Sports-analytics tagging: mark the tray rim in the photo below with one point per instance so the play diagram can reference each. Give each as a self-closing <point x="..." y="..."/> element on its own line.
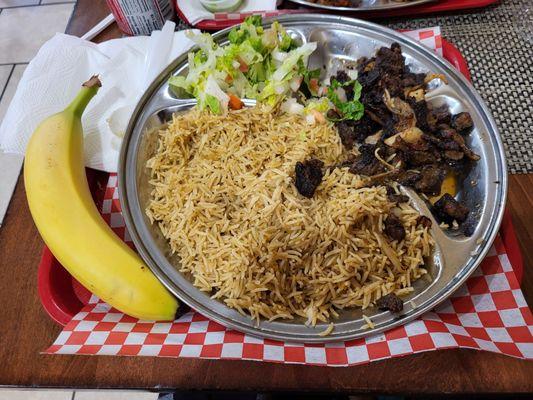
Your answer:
<point x="396" y="6"/>
<point x="443" y="6"/>
<point x="62" y="301"/>
<point x="230" y="318"/>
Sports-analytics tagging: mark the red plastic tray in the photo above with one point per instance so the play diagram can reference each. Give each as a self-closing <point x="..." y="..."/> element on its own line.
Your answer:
<point x="442" y="6"/>
<point x="63" y="297"/>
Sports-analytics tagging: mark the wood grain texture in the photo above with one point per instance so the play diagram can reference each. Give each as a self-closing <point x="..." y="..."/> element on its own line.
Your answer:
<point x="25" y="329"/>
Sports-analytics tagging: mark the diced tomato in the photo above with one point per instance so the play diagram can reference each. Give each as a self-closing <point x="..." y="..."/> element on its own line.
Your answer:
<point x="313" y="85"/>
<point x="234" y="102"/>
<point x="229" y="78"/>
<point x="243" y="67"/>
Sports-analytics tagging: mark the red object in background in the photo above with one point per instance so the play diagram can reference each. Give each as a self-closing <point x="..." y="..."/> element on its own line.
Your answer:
<point x="440" y="6"/>
<point x="141" y="17"/>
<point x="63" y="297"/>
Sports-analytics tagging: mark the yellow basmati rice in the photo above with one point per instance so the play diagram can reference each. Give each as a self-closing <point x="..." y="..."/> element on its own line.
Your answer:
<point x="223" y="195"/>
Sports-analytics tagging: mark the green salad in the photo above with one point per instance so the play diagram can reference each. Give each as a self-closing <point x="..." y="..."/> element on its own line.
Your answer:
<point x="262" y="64"/>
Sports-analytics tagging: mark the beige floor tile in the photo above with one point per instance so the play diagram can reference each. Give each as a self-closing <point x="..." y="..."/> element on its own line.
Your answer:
<point x="16" y="3"/>
<point x="5" y="70"/>
<point x="7" y="394"/>
<point x="23" y="30"/>
<point x="10" y="89"/>
<point x="114" y="395"/>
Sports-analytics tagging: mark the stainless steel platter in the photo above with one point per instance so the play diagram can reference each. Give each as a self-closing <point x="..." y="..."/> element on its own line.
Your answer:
<point x="340" y="39"/>
<point x="365" y="5"/>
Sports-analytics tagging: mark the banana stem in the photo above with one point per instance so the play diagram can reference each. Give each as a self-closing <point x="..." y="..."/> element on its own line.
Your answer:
<point x="84" y="96"/>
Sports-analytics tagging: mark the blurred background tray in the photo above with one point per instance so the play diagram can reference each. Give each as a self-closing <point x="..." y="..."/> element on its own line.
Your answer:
<point x="223" y="20"/>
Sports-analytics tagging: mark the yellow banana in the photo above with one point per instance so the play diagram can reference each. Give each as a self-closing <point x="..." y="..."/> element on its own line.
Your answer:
<point x="70" y="224"/>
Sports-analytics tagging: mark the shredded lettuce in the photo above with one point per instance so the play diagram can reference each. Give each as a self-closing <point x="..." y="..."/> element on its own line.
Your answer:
<point x="352" y="109"/>
<point x="258" y="63"/>
<point x="321" y="105"/>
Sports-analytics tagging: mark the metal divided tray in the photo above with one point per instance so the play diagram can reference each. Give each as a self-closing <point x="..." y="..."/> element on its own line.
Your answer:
<point x="365" y="5"/>
<point x="455" y="258"/>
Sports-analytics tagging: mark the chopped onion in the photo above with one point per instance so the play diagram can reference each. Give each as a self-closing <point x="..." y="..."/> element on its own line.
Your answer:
<point x="341" y="94"/>
<point x="295" y="83"/>
<point x="280" y="89"/>
<point x="279" y="55"/>
<point x="310" y="119"/>
<point x="291" y="106"/>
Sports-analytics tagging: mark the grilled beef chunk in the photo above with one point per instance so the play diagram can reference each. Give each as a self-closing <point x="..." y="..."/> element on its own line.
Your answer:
<point x="352" y="132"/>
<point x="421" y="111"/>
<point x="448" y="209"/>
<point x="342" y="77"/>
<point x="394" y="197"/>
<point x="462" y="123"/>
<point x="394" y="228"/>
<point x="390" y="302"/>
<point x="411" y="79"/>
<point x="423" y="221"/>
<point x="390" y="60"/>
<point x="409" y="178"/>
<point x="430" y="182"/>
<point x="417" y="158"/>
<point x="442" y="114"/>
<point x="394" y="104"/>
<point x="346" y="131"/>
<point x="451" y="140"/>
<point x="308" y="176"/>
<point x="368" y="78"/>
<point x="366" y="163"/>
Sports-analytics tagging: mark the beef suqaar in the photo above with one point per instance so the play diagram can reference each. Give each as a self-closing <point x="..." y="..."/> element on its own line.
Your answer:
<point x="308" y="176"/>
<point x="448" y="210"/>
<point x="419" y="143"/>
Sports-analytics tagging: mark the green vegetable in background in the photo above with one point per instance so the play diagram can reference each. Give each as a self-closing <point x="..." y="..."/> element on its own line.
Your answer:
<point x="352" y="109"/>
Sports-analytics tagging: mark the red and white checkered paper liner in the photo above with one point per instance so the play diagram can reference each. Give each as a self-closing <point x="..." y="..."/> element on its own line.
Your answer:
<point x="487" y="313"/>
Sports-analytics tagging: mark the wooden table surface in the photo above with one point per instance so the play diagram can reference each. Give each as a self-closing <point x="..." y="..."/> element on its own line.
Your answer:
<point x="25" y="329"/>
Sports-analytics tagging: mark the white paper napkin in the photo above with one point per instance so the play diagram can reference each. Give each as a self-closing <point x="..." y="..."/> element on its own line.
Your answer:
<point x="55" y="75"/>
<point x="194" y="12"/>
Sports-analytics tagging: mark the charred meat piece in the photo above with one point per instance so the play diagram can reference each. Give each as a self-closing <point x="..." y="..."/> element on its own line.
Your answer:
<point x="430" y="182"/>
<point x="411" y="79"/>
<point x="368" y="78"/>
<point x="390" y="60"/>
<point x="462" y="123"/>
<point x="451" y="140"/>
<point x="390" y="302"/>
<point x="394" y="228"/>
<point x="423" y="221"/>
<point x="418" y="153"/>
<point x="392" y="83"/>
<point x="409" y="178"/>
<point x="366" y="163"/>
<point x="342" y="77"/>
<point x="394" y="197"/>
<point x="352" y="132"/>
<point x="417" y="158"/>
<point x="454" y="155"/>
<point x="448" y="209"/>
<point x="308" y="176"/>
<point x="437" y="116"/>
<point x="346" y="131"/>
<point x="420" y="109"/>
